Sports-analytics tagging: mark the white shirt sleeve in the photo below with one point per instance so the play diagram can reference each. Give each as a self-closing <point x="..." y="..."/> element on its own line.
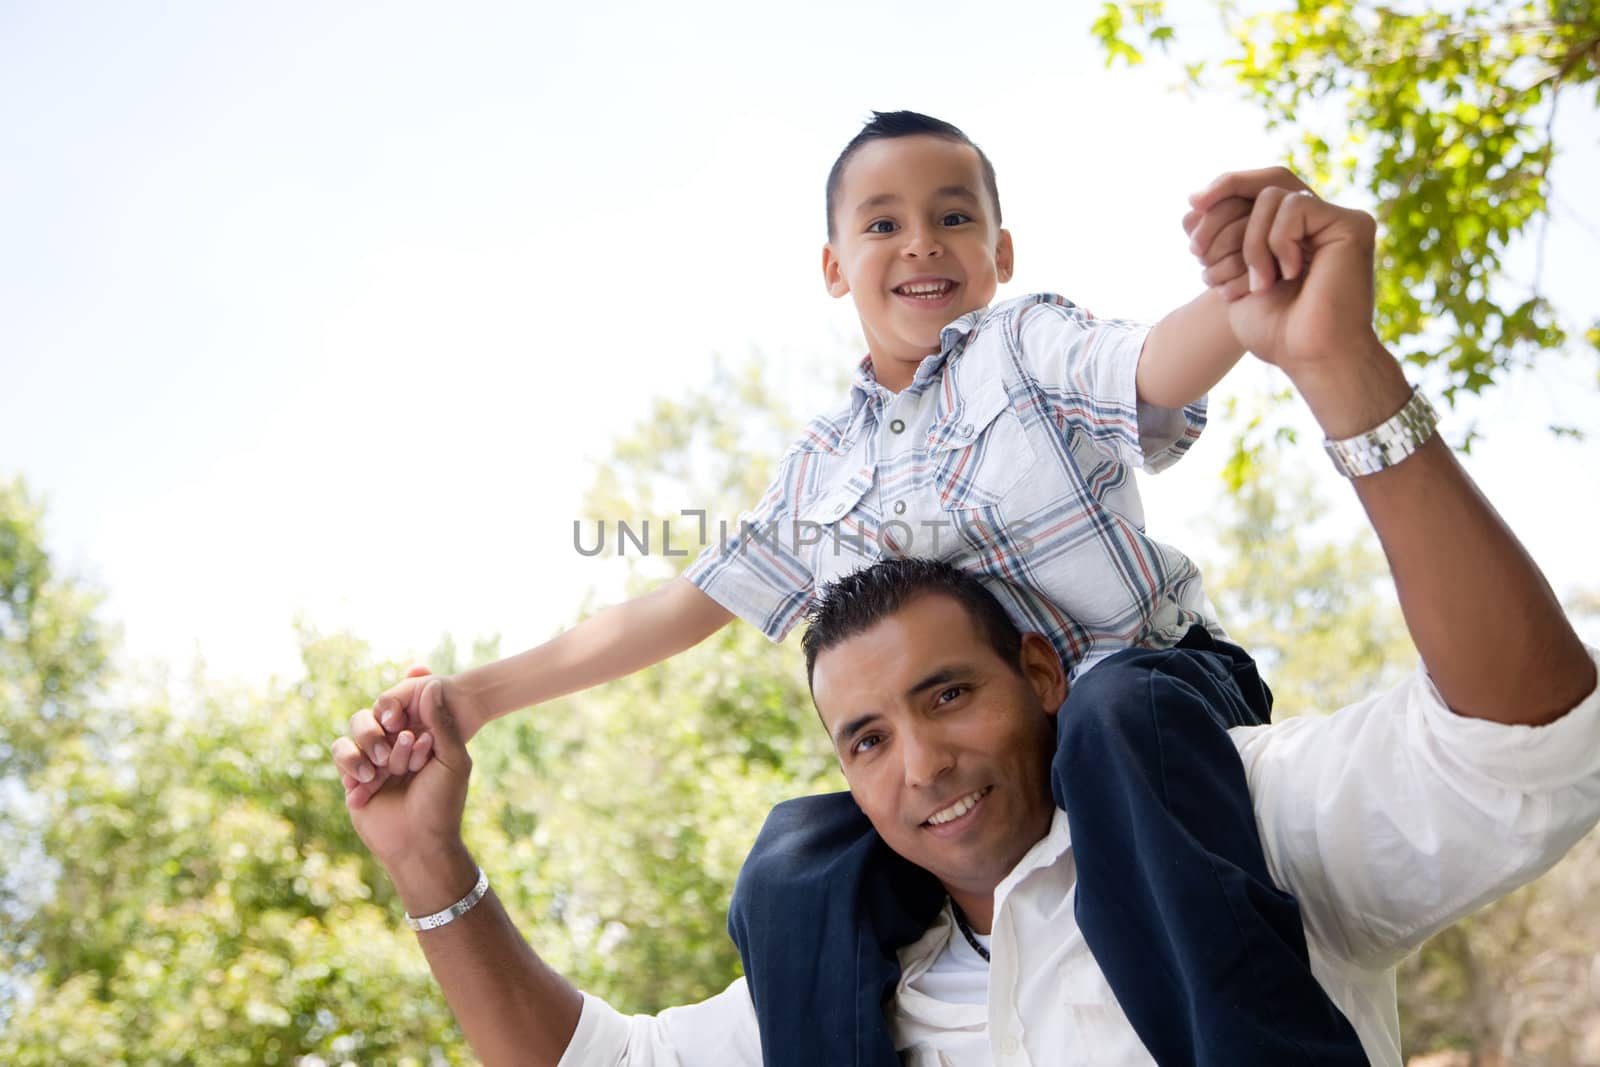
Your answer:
<point x="1395" y="817"/>
<point x="719" y="1032"/>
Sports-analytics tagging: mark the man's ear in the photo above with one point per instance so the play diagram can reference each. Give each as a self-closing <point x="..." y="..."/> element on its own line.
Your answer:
<point x="1042" y="668"/>
<point x="833" y="272"/>
<point x="1004" y="256"/>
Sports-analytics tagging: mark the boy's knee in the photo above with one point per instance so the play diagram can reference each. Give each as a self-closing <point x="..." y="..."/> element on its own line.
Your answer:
<point x="799" y="850"/>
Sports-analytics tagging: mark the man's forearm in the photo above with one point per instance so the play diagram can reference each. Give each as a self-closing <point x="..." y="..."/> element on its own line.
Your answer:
<point x="512" y="1007"/>
<point x="1486" y="623"/>
<point x="1187" y="353"/>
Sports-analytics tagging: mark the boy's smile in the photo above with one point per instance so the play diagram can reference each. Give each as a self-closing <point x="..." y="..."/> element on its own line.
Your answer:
<point x="917" y="246"/>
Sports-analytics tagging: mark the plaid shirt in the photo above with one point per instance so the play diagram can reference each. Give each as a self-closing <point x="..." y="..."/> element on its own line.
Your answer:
<point x="1010" y="455"/>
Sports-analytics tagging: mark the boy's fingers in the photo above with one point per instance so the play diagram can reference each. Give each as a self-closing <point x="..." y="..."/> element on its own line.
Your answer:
<point x="1258" y="258"/>
<point x="1246" y="183"/>
<point x="1227" y="241"/>
<point x="1214" y="222"/>
<point x="367" y="734"/>
<point x="398" y="703"/>
<point x="420" y="752"/>
<point x="349" y="760"/>
<point x="401" y="756"/>
<point x="1236" y="289"/>
<point x="1225" y="271"/>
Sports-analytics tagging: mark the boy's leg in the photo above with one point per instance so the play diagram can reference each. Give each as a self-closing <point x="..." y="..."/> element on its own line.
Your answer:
<point x="1206" y="956"/>
<point x="817" y="910"/>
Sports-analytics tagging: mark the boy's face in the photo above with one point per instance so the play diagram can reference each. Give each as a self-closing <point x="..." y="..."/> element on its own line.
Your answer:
<point x="915" y="244"/>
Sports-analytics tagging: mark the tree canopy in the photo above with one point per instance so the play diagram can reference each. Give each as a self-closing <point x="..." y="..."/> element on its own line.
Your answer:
<point x="1445" y="118"/>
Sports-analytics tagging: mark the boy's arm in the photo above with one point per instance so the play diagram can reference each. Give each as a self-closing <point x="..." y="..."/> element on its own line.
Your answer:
<point x="608" y="645"/>
<point x="1189" y="350"/>
<point x="1187" y="353"/>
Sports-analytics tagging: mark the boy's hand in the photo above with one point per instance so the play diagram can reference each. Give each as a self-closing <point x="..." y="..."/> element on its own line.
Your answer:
<point x="391" y="738"/>
<point x="1308" y="302"/>
<point x="416" y="819"/>
<point x="1221" y="234"/>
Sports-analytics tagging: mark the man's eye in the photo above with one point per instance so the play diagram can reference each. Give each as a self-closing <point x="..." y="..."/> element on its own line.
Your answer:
<point x="956" y="218"/>
<point x="946" y="696"/>
<point x="866" y="743"/>
<point x="881" y="226"/>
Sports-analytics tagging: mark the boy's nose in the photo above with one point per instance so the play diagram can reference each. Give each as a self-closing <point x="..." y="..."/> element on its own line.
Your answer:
<point x="922" y="243"/>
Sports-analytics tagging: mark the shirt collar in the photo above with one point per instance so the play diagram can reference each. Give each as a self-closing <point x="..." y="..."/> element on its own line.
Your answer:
<point x="952" y="342"/>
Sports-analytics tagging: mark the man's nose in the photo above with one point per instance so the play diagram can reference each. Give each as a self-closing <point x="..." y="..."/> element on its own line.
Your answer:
<point x="926" y="757"/>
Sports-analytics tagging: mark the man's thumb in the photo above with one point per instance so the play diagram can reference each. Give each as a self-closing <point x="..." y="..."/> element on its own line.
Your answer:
<point x="437" y="718"/>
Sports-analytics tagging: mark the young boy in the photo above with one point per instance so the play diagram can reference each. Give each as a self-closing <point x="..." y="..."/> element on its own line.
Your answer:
<point x="1002" y="439"/>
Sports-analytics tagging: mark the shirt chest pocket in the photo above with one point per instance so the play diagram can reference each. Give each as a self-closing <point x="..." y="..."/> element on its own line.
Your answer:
<point x="836" y="534"/>
<point x="980" y="450"/>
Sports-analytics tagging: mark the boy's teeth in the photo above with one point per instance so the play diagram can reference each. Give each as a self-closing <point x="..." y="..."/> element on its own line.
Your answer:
<point x="924" y="289"/>
<point x="958" y="809"/>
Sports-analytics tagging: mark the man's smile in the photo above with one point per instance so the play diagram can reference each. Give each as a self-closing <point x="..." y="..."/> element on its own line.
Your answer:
<point x="955" y="817"/>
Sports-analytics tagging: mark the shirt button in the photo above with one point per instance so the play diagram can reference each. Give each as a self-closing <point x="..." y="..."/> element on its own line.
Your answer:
<point x="1009" y="1046"/>
<point x="966" y="429"/>
<point x="899" y="507"/>
<point x="898" y="426"/>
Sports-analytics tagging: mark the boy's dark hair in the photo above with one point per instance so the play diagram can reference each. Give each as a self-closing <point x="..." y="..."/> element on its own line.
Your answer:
<point x="886" y="124"/>
<point x="858" y="601"/>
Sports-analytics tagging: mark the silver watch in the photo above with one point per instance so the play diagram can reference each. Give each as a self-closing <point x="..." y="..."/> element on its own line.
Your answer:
<point x="1387" y="443"/>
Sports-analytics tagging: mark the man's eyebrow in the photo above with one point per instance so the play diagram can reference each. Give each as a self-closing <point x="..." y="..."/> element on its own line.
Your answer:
<point x="850" y="728"/>
<point x="942" y="676"/>
<point x="960" y="192"/>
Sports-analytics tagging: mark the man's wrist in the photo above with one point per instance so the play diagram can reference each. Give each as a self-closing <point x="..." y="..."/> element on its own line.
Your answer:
<point x="1354" y="390"/>
<point x="428" y="881"/>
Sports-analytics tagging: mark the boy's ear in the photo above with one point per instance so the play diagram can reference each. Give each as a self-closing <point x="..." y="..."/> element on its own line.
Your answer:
<point x="1003" y="257"/>
<point x="833" y="273"/>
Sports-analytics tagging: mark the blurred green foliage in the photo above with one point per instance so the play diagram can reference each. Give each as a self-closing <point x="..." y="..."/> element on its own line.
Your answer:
<point x="1444" y="117"/>
<point x="182" y="885"/>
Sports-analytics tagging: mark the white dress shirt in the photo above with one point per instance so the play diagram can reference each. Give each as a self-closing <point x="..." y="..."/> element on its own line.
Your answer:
<point x="1389" y="820"/>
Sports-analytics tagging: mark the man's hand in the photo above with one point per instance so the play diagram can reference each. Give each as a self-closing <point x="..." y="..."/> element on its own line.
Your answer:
<point x="419" y="816"/>
<point x="1307" y="294"/>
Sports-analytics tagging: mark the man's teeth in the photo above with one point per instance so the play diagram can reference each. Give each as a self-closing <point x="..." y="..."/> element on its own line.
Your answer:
<point x="925" y="290"/>
<point x="958" y="809"/>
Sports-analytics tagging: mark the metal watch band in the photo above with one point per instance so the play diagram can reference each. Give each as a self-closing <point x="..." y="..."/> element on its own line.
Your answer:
<point x="454" y="911"/>
<point x="1387" y="443"/>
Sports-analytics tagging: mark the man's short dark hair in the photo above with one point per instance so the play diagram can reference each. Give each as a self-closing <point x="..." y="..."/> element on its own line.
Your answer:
<point x="886" y="124"/>
<point x="858" y="601"/>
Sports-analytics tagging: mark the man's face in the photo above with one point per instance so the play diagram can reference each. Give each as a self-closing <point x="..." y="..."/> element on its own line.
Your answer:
<point x="915" y="244"/>
<point x="945" y="745"/>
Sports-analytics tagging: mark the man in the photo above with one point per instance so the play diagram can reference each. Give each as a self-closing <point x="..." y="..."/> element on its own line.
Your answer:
<point x="1379" y="819"/>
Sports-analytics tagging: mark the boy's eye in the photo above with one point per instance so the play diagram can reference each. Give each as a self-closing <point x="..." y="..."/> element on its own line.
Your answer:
<point x="881" y="226"/>
<point x="956" y="218"/>
<point x="947" y="695"/>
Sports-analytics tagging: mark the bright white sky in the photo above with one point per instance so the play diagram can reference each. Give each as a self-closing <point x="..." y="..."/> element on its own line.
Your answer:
<point x="320" y="309"/>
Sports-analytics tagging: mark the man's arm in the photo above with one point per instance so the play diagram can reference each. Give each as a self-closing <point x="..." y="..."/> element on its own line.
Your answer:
<point x="1490" y="630"/>
<point x="512" y="1007"/>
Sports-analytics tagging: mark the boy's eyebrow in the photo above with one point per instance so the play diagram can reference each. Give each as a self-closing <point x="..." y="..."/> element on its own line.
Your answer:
<point x="960" y="192"/>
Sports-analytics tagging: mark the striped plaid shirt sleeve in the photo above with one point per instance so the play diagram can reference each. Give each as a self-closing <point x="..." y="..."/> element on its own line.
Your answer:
<point x="754" y="568"/>
<point x="1087" y="366"/>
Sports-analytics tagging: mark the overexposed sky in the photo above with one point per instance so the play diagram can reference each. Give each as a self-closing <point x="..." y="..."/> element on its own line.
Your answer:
<point x="321" y="309"/>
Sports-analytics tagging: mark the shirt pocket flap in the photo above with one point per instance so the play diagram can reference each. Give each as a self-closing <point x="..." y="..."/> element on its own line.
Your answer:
<point x="838" y="500"/>
<point x="965" y="423"/>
